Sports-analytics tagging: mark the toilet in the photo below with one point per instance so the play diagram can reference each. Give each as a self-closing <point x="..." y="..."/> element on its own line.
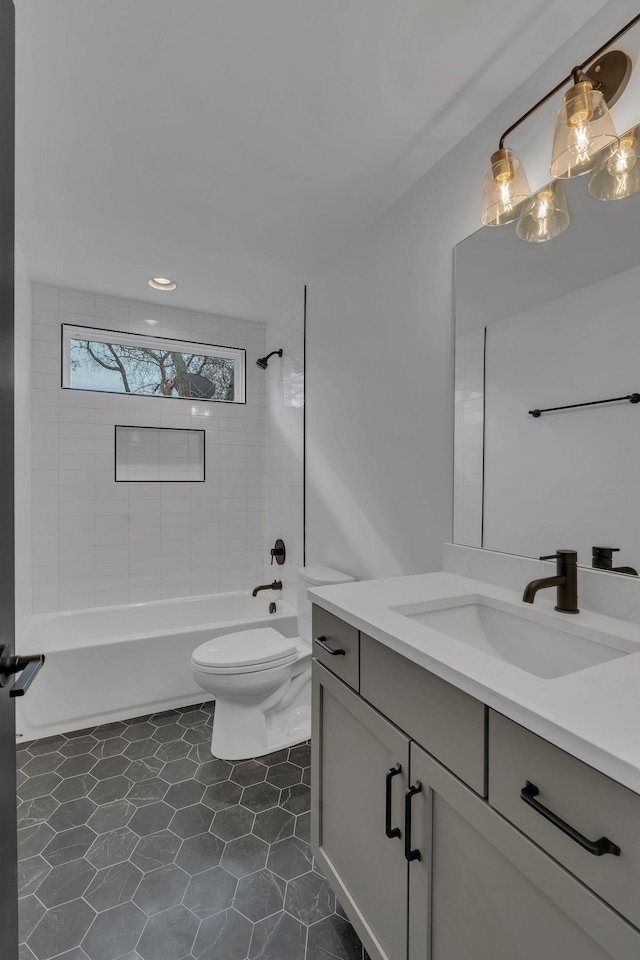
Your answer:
<point x="261" y="680"/>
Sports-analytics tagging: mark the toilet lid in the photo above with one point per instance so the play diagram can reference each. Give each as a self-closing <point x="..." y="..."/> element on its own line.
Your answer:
<point x="262" y="646"/>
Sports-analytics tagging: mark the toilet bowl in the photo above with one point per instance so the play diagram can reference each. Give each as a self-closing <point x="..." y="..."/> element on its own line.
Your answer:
<point x="261" y="681"/>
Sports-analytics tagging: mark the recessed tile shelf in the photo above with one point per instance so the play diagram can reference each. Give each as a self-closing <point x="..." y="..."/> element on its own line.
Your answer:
<point x="164" y="454"/>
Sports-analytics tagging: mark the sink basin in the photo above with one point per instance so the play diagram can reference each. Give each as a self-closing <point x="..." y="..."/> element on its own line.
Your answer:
<point x="527" y="639"/>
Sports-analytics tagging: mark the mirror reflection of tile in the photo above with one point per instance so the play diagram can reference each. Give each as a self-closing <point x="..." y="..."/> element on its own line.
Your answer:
<point x="159" y="453"/>
<point x="468" y="441"/>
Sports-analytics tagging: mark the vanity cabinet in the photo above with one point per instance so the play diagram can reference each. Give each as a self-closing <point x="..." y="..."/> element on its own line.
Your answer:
<point x="424" y="865"/>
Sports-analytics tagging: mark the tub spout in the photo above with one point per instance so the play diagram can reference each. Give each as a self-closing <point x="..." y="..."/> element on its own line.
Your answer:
<point x="276" y="585"/>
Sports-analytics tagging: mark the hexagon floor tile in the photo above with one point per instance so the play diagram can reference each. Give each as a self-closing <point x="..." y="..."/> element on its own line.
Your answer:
<point x="136" y="843"/>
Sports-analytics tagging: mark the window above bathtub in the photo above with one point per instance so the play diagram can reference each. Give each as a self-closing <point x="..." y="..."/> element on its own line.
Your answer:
<point x="107" y="361"/>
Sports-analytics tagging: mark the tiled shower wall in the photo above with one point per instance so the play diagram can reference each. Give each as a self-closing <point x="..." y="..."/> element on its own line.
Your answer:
<point x="22" y="445"/>
<point x="284" y="400"/>
<point x="97" y="542"/>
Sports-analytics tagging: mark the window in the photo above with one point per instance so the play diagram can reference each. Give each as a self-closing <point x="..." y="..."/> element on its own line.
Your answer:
<point x="111" y="362"/>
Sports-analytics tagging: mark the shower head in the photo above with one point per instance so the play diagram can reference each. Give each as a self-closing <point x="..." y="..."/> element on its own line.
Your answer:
<point x="264" y="361"/>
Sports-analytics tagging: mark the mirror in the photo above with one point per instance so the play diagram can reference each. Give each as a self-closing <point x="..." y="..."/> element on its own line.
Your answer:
<point x="542" y="326"/>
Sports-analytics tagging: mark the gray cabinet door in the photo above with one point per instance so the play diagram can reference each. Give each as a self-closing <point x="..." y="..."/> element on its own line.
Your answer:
<point x="483" y="890"/>
<point x="353" y="748"/>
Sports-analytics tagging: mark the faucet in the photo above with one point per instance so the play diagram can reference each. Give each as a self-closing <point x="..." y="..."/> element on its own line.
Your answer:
<point x="276" y="585"/>
<point x="602" y="559"/>
<point x="566" y="580"/>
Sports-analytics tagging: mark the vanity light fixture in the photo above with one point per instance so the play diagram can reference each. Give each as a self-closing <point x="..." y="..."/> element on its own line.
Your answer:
<point x="545" y="216"/>
<point x="162" y="283"/>
<point x="585" y="136"/>
<point x="584" y="129"/>
<point x="618" y="176"/>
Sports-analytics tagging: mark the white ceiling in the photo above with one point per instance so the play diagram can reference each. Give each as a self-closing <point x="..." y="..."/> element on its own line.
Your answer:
<point x="233" y="145"/>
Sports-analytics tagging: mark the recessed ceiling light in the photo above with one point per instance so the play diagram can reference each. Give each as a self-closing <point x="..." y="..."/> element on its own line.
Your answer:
<point x="162" y="283"/>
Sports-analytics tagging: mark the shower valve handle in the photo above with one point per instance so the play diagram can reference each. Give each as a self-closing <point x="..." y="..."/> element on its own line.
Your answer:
<point x="27" y="667"/>
<point x="278" y="552"/>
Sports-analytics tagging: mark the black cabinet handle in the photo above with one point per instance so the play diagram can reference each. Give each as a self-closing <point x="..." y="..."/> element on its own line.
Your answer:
<point x="596" y="847"/>
<point x="322" y="642"/>
<point x="408" y="852"/>
<point x="390" y="831"/>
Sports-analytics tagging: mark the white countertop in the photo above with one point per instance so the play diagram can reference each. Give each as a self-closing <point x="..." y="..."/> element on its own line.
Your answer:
<point x="593" y="714"/>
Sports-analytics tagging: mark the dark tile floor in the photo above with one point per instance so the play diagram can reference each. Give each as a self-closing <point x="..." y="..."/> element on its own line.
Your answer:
<point x="136" y="844"/>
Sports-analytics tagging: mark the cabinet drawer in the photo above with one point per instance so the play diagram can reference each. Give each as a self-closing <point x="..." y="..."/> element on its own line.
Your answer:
<point x="583" y="799"/>
<point x="444" y="720"/>
<point x="336" y="635"/>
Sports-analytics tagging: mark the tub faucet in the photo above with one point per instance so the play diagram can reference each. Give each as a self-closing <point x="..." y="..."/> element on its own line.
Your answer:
<point x="276" y="585"/>
<point x="566" y="580"/>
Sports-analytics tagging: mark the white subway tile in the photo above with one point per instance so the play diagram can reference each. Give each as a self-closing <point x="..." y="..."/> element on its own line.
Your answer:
<point x="42" y="300"/>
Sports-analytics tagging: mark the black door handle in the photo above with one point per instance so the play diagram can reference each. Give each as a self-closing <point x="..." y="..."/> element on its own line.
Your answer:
<point x="390" y="831"/>
<point x="322" y="642"/>
<point x="408" y="852"/>
<point x="27" y="667"/>
<point x="596" y="847"/>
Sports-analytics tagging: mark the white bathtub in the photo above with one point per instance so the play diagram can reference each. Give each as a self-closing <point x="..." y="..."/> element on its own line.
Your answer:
<point x="110" y="663"/>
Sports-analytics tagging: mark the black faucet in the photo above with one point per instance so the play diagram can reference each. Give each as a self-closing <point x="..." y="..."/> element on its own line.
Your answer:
<point x="566" y="580"/>
<point x="602" y="559"/>
<point x="276" y="585"/>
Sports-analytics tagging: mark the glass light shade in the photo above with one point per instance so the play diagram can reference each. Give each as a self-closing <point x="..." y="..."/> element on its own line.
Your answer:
<point x="584" y="132"/>
<point x="545" y="216"/>
<point x="618" y="175"/>
<point x="506" y="188"/>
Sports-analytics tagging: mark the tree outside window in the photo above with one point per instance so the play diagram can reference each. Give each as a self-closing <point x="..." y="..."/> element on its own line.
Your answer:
<point x="161" y="368"/>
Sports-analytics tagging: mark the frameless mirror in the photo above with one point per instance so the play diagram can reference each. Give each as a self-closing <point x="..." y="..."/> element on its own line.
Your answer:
<point x="551" y="325"/>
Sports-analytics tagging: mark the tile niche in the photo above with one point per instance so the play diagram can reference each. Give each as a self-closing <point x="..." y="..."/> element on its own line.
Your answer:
<point x="159" y="453"/>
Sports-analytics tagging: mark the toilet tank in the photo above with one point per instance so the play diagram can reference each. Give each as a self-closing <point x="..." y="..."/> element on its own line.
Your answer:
<point x="314" y="577"/>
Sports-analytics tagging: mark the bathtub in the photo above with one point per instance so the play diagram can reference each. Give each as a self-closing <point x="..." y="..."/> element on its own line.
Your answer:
<point x="111" y="663"/>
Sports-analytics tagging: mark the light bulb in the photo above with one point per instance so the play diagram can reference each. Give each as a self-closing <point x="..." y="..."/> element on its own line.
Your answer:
<point x="543" y="205"/>
<point x="545" y="216"/>
<point x="579" y="142"/>
<point x="618" y="175"/>
<point x="505" y="196"/>
<point x="624" y="159"/>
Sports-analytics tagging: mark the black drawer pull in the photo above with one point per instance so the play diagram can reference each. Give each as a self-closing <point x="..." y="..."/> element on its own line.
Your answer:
<point x="596" y="847"/>
<point x="390" y="831"/>
<point x="322" y="642"/>
<point x="408" y="852"/>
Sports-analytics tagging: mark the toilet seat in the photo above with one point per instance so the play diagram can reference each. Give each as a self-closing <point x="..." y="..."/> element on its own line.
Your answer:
<point x="246" y="651"/>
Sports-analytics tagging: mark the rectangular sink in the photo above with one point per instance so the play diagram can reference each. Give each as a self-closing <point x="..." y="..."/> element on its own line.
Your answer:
<point x="527" y="639"/>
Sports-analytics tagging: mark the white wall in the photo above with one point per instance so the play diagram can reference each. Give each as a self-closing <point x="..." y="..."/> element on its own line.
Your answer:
<point x="98" y="542"/>
<point x="543" y="476"/>
<point x="22" y="445"/>
<point x="380" y="347"/>
<point x="284" y="407"/>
